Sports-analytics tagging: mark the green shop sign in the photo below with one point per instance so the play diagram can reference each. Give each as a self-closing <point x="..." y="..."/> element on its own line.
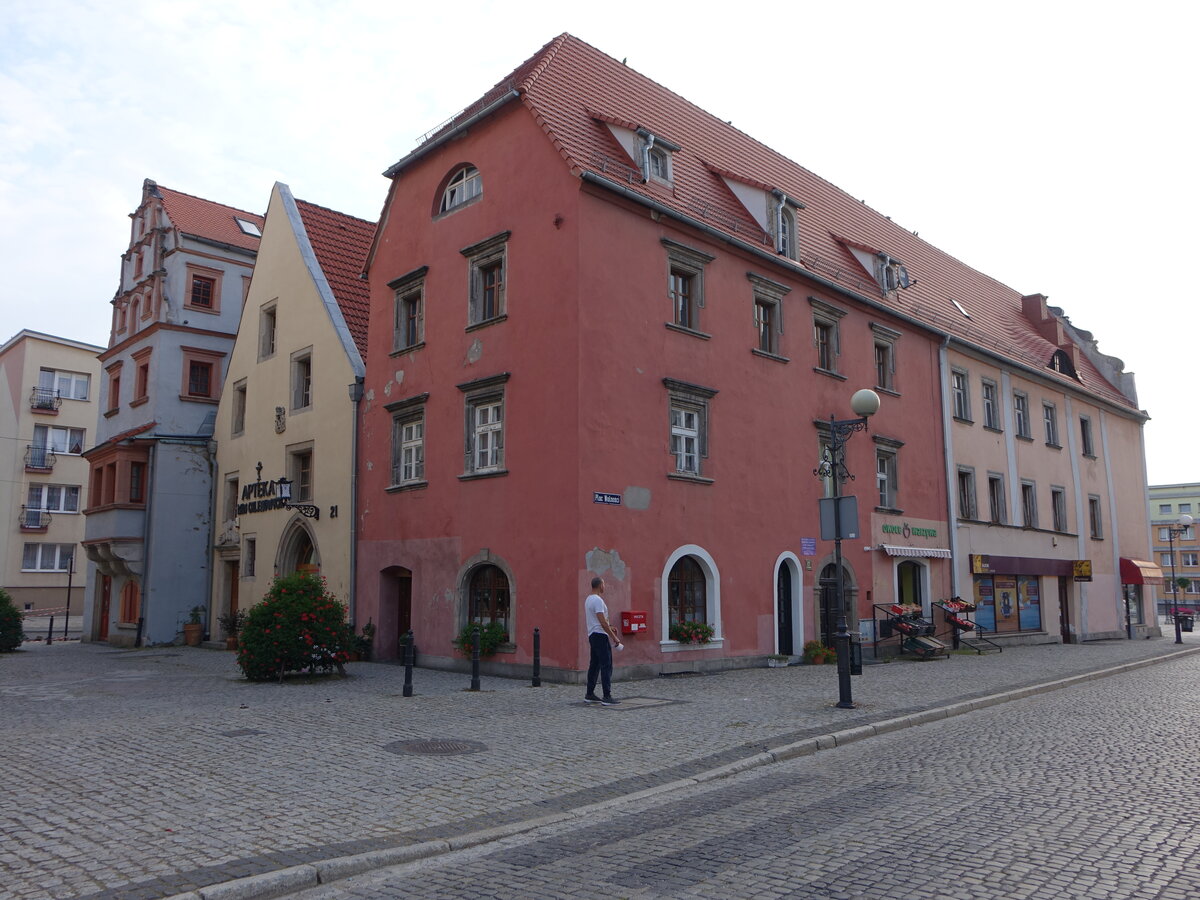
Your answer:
<point x="910" y="531"/>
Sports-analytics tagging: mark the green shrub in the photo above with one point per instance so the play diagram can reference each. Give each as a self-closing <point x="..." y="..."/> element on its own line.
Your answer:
<point x="299" y="626"/>
<point x="11" y="632"/>
<point x="691" y="632"/>
<point x="817" y="654"/>
<point x="491" y="636"/>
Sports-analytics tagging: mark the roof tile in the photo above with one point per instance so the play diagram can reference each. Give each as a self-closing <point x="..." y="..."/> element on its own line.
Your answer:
<point x="341" y="243"/>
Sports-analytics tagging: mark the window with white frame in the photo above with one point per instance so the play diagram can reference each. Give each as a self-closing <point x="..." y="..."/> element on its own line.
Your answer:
<point x="267" y="325"/>
<point x="1189" y="558"/>
<point x="300" y="471"/>
<point x="1095" y="517"/>
<point x="688" y="414"/>
<point x="39" y="557"/>
<point x="1058" y="505"/>
<point x="656" y="162"/>
<point x="408" y="441"/>
<point x="768" y="314"/>
<point x="1085" y="437"/>
<point x="991" y="405"/>
<point x="966" y="493"/>
<point x="960" y="392"/>
<point x="53" y="497"/>
<point x="690" y="591"/>
<point x="60" y="439"/>
<point x="1164" y="534"/>
<point x="408" y="313"/>
<point x="685" y="285"/>
<point x="1050" y="418"/>
<point x="1164" y="560"/>
<point x="826" y="335"/>
<point x="1021" y="414"/>
<point x="885" y="356"/>
<point x="1029" y="510"/>
<point x="887" y="472"/>
<point x="487" y="297"/>
<point x="69" y="385"/>
<point x="997" y="506"/>
<point x="465" y="185"/>
<point x="302" y="379"/>
<point x="484" y="408"/>
<point x="786" y="241"/>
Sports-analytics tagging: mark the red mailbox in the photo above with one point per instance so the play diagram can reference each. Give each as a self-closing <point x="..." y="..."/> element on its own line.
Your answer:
<point x="633" y="621"/>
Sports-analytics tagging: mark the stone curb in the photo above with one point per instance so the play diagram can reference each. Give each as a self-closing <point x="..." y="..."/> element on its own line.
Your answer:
<point x="310" y="875"/>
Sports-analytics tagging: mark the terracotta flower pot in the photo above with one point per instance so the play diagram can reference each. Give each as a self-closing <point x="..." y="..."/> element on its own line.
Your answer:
<point x="192" y="634"/>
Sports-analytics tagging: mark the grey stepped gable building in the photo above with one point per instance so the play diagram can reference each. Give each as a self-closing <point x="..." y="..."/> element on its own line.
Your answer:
<point x="183" y="281"/>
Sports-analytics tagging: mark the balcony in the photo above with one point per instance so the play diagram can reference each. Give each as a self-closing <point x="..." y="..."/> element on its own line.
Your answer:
<point x="34" y="519"/>
<point x="45" y="400"/>
<point x="39" y="459"/>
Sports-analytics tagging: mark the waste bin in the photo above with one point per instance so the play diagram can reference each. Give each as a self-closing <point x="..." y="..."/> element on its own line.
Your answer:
<point x="1186" y="622"/>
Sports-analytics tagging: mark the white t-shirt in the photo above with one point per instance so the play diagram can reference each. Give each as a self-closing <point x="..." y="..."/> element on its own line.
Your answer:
<point x="592" y="607"/>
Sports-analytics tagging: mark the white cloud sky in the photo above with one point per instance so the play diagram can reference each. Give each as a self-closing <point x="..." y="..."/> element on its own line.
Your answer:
<point x="1046" y="144"/>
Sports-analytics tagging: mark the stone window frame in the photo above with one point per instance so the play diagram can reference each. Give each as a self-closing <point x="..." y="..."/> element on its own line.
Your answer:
<point x="997" y="499"/>
<point x="204" y="273"/>
<point x="887" y="451"/>
<point x="408" y="289"/>
<point x="406" y="412"/>
<point x="489" y="391"/>
<point x="827" y="316"/>
<point x="301" y="382"/>
<point x="991" y="404"/>
<point x="482" y="257"/>
<point x="968" y="497"/>
<point x="1029" y="503"/>
<point x="687" y="397"/>
<point x="885" y="339"/>
<point x="768" y="296"/>
<point x="685" y="261"/>
<point x="960" y="395"/>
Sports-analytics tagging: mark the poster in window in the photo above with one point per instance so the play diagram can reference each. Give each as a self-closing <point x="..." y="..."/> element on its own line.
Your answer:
<point x="985" y="603"/>
<point x="1030" y="604"/>
<point x="1006" y="603"/>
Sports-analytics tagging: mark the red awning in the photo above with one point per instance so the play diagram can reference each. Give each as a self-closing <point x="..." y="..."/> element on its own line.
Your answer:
<point x="1138" y="571"/>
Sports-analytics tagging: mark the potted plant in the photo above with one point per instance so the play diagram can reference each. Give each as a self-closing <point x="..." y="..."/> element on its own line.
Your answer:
<point x="193" y="628"/>
<point x="363" y="643"/>
<point x="231" y="623"/>
<point x="778" y="661"/>
<point x="691" y="632"/>
<point x="491" y="636"/>
<point x="817" y="654"/>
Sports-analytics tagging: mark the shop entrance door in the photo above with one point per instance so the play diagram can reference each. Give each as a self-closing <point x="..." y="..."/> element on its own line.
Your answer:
<point x="783" y="600"/>
<point x="1064" y="608"/>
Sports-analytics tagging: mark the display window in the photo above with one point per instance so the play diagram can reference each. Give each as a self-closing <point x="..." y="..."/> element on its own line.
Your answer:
<point x="1008" y="603"/>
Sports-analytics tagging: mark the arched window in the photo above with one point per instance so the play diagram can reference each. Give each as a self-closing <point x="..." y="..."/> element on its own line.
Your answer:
<point x="463" y="187"/>
<point x="787" y="234"/>
<point x="687" y="592"/>
<point x="297" y="551"/>
<point x="488" y="596"/>
<point x="1061" y="362"/>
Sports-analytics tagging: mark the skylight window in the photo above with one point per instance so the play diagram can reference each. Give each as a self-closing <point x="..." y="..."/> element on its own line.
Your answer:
<point x="248" y="227"/>
<point x="960" y="308"/>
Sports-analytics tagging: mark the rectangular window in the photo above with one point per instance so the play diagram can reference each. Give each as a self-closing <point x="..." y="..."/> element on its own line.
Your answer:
<point x="1058" y="508"/>
<point x="302" y="374"/>
<point x="685" y="285"/>
<point x="960" y="393"/>
<point x="59" y="439"/>
<point x="53" y="497"/>
<point x="1164" y="509"/>
<point x="766" y="313"/>
<point x="1085" y="436"/>
<point x="998" y="508"/>
<point x="203" y="292"/>
<point x="408" y="448"/>
<point x="685" y="438"/>
<point x="1029" y="512"/>
<point x="484" y="409"/>
<point x="826" y="334"/>
<point x="1185" y="508"/>
<point x="200" y="379"/>
<point x="1189" y="558"/>
<point x="966" y="493"/>
<point x="1050" y="418"/>
<point x="1021" y="414"/>
<point x="249" y="557"/>
<point x="885" y="356"/>
<point x="266" y="332"/>
<point x="688" y="408"/>
<point x="114" y="387"/>
<point x="1164" y="560"/>
<point x="1094" y="517"/>
<point x="300" y="470"/>
<point x="991" y="407"/>
<point x="238" y="425"/>
<point x="201" y="373"/>
<point x="487" y="272"/>
<point x="141" y="386"/>
<point x="47" y="557"/>
<point x="885" y="478"/>
<point x="137" y="482"/>
<point x="68" y="385"/>
<point x="823" y="339"/>
<point x="408" y="320"/>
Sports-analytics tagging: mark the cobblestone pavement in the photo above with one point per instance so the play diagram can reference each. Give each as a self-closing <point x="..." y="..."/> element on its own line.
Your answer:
<point x="1070" y="795"/>
<point x="146" y="773"/>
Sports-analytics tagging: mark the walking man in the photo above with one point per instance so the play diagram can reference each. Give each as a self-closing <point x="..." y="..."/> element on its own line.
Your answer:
<point x="600" y="632"/>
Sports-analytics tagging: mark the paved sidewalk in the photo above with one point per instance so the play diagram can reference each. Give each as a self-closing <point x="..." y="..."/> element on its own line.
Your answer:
<point x="146" y="773"/>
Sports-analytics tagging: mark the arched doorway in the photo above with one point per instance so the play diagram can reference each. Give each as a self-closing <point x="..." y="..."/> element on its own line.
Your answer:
<point x="298" y="549"/>
<point x="395" y="610"/>
<point x="783" y="605"/>
<point x="827" y="608"/>
<point x="789" y="611"/>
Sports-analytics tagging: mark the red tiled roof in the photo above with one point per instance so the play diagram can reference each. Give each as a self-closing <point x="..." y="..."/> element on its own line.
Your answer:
<point x="206" y="219"/>
<point x="571" y="88"/>
<point x="341" y="243"/>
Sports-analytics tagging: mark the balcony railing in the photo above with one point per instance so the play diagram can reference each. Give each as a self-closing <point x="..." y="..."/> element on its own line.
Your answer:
<point x="40" y="458"/>
<point x="45" y="400"/>
<point x="34" y="519"/>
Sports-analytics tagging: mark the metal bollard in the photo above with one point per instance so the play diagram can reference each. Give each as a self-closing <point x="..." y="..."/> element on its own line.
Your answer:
<point x="475" y="658"/>
<point x="50" y="631"/>
<point x="408" y="663"/>
<point x="537" y="657"/>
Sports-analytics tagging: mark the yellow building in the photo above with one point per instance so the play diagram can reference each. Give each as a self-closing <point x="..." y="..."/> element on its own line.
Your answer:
<point x="287" y="420"/>
<point x="47" y="419"/>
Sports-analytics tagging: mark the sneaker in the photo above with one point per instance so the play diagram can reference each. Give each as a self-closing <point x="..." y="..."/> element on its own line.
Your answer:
<point x="609" y="701"/>
<point x="591" y="698"/>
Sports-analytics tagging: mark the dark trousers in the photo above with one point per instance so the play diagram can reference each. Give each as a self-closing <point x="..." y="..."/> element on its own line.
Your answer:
<point x="601" y="664"/>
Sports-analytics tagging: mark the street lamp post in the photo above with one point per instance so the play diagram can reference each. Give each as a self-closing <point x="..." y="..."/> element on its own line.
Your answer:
<point x="865" y="403"/>
<point x="1173" y="531"/>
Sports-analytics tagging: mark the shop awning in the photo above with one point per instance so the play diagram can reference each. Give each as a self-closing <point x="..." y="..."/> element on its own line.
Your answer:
<point x="1138" y="571"/>
<point x="927" y="552"/>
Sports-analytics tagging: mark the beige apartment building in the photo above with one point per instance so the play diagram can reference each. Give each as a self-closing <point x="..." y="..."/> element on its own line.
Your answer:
<point x="286" y="425"/>
<point x="1176" y="548"/>
<point x="48" y="415"/>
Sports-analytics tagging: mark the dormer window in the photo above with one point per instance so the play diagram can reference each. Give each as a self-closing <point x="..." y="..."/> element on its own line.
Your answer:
<point x="463" y="187"/>
<point x="659" y="165"/>
<point x="891" y="274"/>
<point x="1061" y="362"/>
<point x="783" y="223"/>
<point x="656" y="161"/>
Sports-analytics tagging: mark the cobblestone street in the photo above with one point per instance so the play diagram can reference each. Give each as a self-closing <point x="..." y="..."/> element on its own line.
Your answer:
<point x="153" y="772"/>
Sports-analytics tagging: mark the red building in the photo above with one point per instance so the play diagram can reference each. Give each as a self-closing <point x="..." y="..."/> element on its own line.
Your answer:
<point x="606" y="328"/>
